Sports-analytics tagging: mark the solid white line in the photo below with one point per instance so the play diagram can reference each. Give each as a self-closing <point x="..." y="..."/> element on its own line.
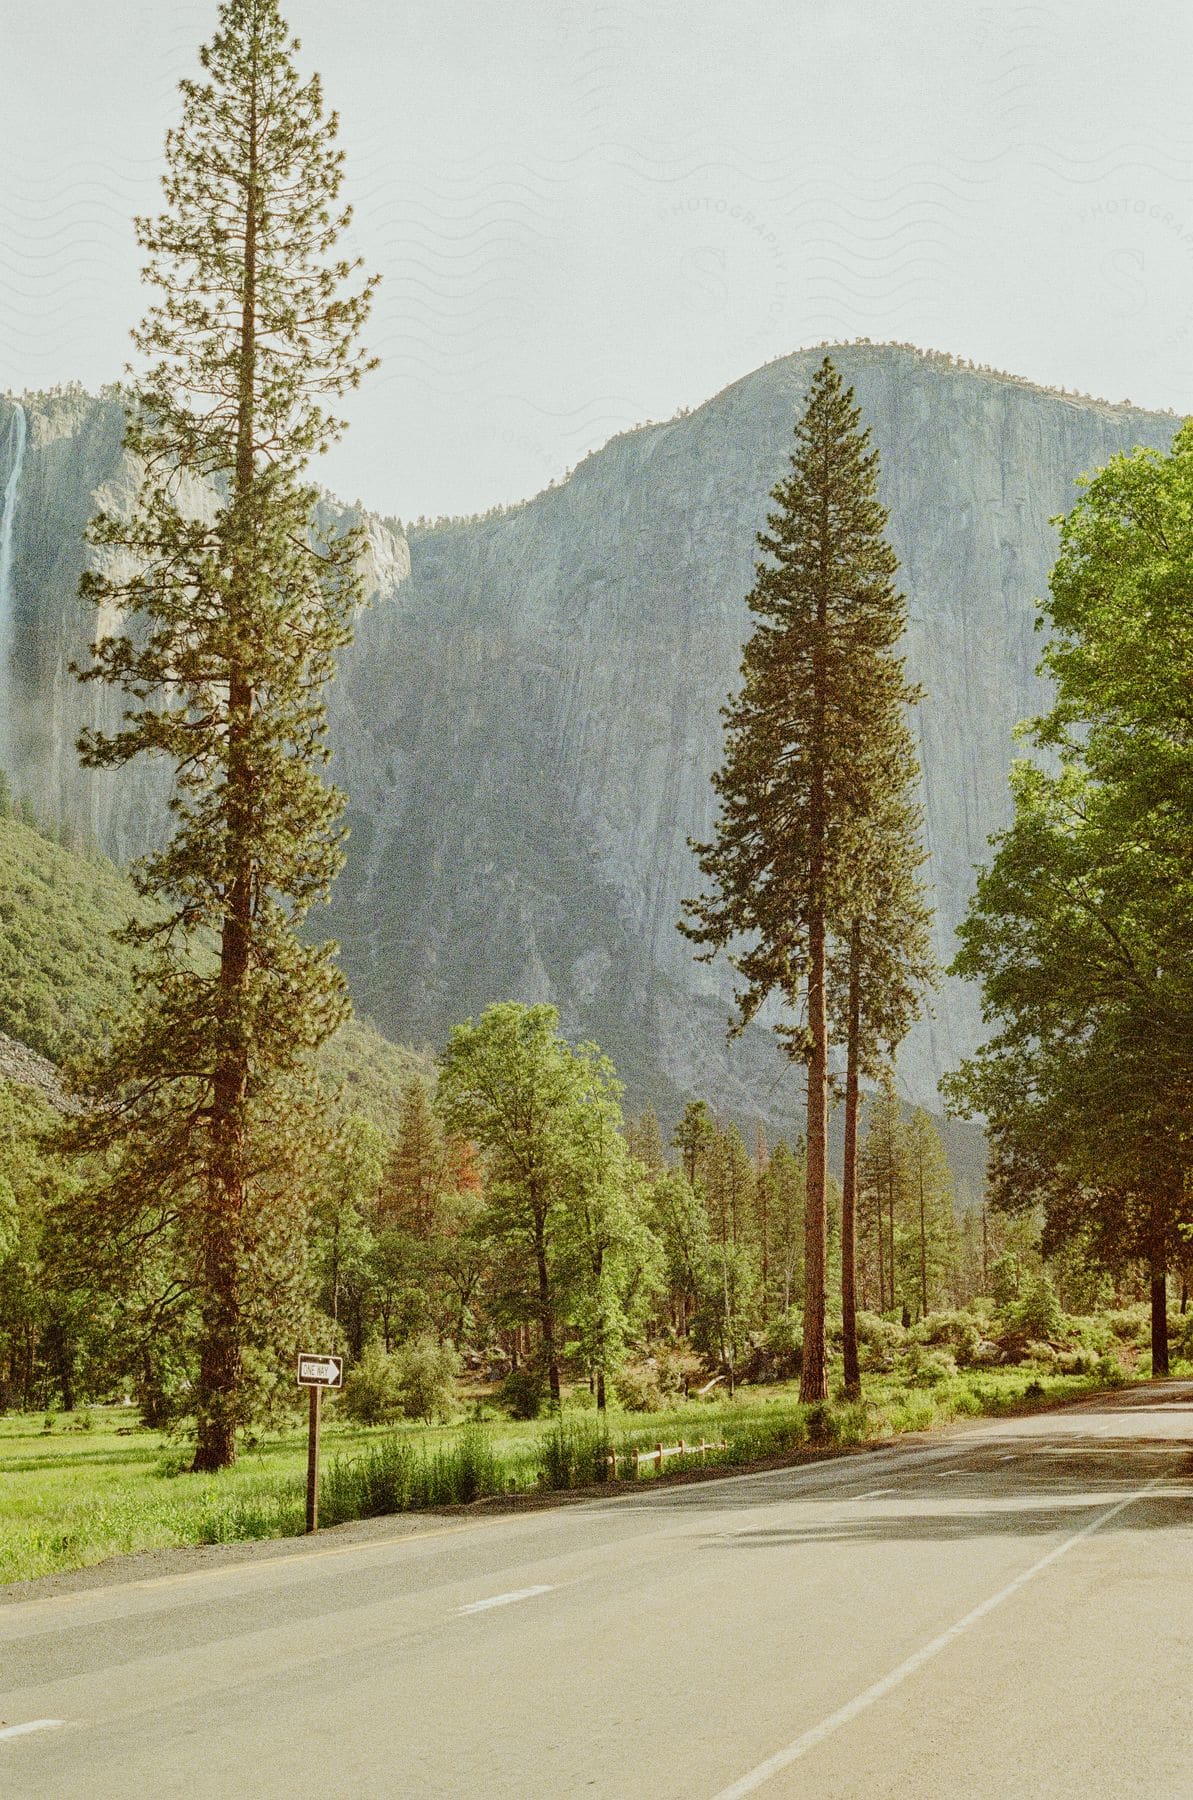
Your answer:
<point x="504" y="1599"/>
<point x="809" y="1739"/>
<point x="29" y="1725"/>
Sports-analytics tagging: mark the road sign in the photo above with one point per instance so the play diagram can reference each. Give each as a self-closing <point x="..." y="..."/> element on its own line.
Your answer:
<point x="320" y="1371"/>
<point x="316" y="1373"/>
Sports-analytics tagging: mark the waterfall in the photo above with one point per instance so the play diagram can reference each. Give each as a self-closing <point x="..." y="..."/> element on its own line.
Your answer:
<point x="17" y="433"/>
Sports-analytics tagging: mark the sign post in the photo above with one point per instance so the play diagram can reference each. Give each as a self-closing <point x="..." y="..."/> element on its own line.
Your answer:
<point x="316" y="1373"/>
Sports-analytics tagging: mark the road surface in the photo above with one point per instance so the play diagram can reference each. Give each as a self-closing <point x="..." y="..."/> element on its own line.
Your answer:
<point x="1007" y="1611"/>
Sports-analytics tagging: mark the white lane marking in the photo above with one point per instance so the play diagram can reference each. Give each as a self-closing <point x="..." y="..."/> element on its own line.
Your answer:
<point x="949" y="1471"/>
<point x="30" y="1725"/>
<point x="809" y="1739"/>
<point x="874" y="1493"/>
<point x="504" y="1599"/>
<point x="1009" y="1457"/>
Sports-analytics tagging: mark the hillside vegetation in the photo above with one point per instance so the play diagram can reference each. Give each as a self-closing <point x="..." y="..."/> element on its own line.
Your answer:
<point x="62" y="972"/>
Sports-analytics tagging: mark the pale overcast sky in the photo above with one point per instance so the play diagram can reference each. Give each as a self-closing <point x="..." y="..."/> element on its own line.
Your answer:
<point x="590" y="214"/>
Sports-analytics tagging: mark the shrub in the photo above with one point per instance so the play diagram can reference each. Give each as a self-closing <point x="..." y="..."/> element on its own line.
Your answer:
<point x="523" y="1392"/>
<point x="1131" y="1325"/>
<point x="1037" y="1311"/>
<point x="955" y="1331"/>
<point x="427" y="1373"/>
<point x="878" y="1341"/>
<point x="1109" y="1370"/>
<point x="371" y="1394"/>
<point x="923" y="1367"/>
<point x="678" y="1368"/>
<point x="637" y="1389"/>
<point x="1006" y="1278"/>
<point x="783" y="1344"/>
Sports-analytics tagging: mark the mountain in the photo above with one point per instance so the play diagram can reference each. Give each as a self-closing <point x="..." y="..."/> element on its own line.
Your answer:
<point x="526" y="722"/>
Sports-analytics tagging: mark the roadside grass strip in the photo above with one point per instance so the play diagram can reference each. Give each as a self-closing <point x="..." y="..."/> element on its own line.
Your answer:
<point x="73" y="1495"/>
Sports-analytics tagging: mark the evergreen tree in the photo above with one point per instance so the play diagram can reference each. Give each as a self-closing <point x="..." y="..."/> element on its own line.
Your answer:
<point x="934" y="1224"/>
<point x="679" y="1220"/>
<point x="417" y="1168"/>
<point x="883" y="1184"/>
<point x="881" y="970"/>
<point x="693" y="1138"/>
<point x="813" y="756"/>
<point x="786" y="1178"/>
<point x="646" y="1141"/>
<point x="239" y="612"/>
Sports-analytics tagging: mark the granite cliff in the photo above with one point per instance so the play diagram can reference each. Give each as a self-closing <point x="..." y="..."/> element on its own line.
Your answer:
<point x="526" y="722"/>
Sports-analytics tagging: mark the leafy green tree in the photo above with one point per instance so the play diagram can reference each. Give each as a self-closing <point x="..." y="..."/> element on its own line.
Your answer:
<point x="1082" y="1081"/>
<point x="427" y="1371"/>
<point x="679" y="1220"/>
<point x="1082" y="928"/>
<point x="372" y="1391"/>
<point x="511" y="1084"/>
<point x="815" y="748"/>
<point x="237" y="613"/>
<point x="341" y="1238"/>
<point x="613" y="1256"/>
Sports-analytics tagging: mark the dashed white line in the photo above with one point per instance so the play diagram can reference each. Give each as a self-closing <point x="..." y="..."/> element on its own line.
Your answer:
<point x="10" y="1731"/>
<point x="809" y="1740"/>
<point x="874" y="1493"/>
<point x="476" y="1606"/>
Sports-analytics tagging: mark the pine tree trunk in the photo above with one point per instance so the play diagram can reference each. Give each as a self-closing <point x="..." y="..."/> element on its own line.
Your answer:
<point x="814" y="1376"/>
<point x="853" y="1379"/>
<point x="220" y="1362"/>
<point x="1159" y="1296"/>
<point x="600" y="1390"/>
<point x="880" y="1229"/>
<point x="923" y="1250"/>
<point x="891" y="1257"/>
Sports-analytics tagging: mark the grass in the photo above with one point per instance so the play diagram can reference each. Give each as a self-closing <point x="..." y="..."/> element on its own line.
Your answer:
<point x="73" y="1496"/>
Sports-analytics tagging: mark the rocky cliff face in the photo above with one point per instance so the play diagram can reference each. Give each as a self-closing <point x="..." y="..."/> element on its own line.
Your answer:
<point x="527" y="721"/>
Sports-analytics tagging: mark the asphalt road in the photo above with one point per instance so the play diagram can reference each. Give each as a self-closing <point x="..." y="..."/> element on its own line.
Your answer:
<point x="1004" y="1612"/>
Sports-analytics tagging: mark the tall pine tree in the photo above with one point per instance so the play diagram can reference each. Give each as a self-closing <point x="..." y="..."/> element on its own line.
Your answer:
<point x="810" y="763"/>
<point x="237" y="611"/>
<point x="883" y="966"/>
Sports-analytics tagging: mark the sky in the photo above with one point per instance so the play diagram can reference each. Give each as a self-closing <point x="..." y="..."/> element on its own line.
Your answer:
<point x="589" y="215"/>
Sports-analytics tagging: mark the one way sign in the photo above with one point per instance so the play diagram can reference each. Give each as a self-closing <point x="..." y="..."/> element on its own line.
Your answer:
<point x="320" y="1371"/>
